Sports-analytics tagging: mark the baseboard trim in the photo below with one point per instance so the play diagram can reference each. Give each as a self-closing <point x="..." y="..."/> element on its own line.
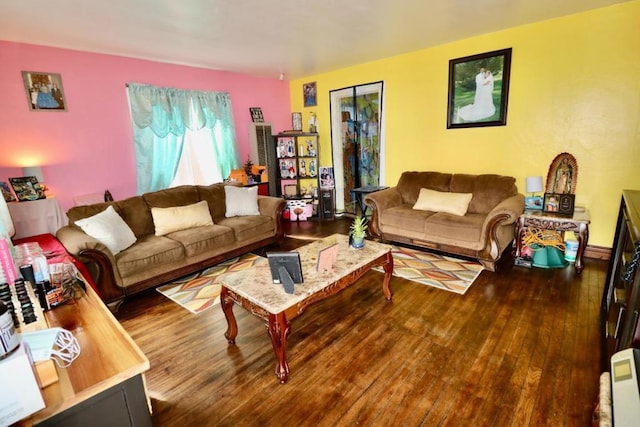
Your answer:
<point x="597" y="252"/>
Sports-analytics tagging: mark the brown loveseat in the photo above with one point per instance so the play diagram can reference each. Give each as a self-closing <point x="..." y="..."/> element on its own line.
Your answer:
<point x="483" y="232"/>
<point x="153" y="260"/>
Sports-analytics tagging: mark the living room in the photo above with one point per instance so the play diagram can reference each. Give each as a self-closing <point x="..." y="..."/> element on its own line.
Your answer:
<point x="570" y="76"/>
<point x="574" y="88"/>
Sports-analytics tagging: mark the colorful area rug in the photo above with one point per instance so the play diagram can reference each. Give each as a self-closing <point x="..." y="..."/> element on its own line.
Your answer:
<point x="201" y="291"/>
<point x="440" y="271"/>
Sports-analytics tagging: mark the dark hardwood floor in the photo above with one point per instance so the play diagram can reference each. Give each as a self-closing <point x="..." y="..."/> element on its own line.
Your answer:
<point x="520" y="348"/>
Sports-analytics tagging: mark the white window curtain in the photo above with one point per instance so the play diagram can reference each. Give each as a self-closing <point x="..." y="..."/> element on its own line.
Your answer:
<point x="181" y="136"/>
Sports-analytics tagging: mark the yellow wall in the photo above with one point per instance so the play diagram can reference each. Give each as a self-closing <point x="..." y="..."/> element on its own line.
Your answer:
<point x="575" y="87"/>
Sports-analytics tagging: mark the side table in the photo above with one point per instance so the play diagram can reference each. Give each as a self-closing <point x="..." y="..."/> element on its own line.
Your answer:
<point x="578" y="223"/>
<point x="35" y="217"/>
<point x="360" y="192"/>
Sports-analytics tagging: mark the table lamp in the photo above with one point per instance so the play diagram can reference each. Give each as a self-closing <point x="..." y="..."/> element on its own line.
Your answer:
<point x="533" y="185"/>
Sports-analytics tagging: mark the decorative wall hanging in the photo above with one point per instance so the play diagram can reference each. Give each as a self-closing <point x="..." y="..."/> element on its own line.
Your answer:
<point x="563" y="175"/>
<point x="256" y="115"/>
<point x="310" y="94"/>
<point x="479" y="90"/>
<point x="44" y="91"/>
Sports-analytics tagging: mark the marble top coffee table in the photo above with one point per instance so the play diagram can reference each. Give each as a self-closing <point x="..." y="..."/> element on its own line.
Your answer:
<point x="254" y="290"/>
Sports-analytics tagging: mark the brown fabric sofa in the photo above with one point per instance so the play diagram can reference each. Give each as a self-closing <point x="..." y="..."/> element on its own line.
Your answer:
<point x="483" y="232"/>
<point x="153" y="260"/>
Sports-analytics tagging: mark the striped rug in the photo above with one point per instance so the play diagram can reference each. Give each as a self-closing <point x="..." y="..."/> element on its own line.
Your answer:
<point x="201" y="291"/>
<point x="440" y="271"/>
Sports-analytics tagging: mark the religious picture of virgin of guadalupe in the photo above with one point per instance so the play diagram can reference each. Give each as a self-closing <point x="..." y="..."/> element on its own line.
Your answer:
<point x="44" y="91"/>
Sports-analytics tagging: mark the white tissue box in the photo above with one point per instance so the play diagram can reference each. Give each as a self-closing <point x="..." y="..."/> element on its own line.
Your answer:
<point x="21" y="395"/>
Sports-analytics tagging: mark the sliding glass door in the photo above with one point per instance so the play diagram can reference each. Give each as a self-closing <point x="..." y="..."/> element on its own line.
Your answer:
<point x="357" y="143"/>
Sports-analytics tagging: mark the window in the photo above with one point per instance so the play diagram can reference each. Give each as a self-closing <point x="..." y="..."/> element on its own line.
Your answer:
<point x="181" y="137"/>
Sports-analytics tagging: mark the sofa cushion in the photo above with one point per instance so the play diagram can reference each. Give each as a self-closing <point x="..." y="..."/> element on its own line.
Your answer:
<point x="148" y="253"/>
<point x="108" y="228"/>
<point x="199" y="240"/>
<point x="411" y="182"/>
<point x="214" y="195"/>
<point x="241" y="201"/>
<point x="455" y="230"/>
<point x="137" y="214"/>
<point x="176" y="196"/>
<point x="488" y="190"/>
<point x="405" y="218"/>
<point x="168" y="220"/>
<point x="247" y="228"/>
<point x="443" y="201"/>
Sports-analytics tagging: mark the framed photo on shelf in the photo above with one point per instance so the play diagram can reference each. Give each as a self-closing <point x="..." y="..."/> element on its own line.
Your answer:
<point x="479" y="90"/>
<point x="27" y="188"/>
<point x="296" y="121"/>
<point x="561" y="204"/>
<point x="6" y="192"/>
<point x="44" y="91"/>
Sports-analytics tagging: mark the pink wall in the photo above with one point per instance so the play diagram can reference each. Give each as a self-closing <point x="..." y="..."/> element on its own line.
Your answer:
<point x="89" y="148"/>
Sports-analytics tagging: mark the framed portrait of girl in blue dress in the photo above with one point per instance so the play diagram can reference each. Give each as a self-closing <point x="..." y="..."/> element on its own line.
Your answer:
<point x="44" y="91"/>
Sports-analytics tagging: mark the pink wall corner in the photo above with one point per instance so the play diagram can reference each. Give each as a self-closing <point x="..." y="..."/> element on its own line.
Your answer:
<point x="89" y="148"/>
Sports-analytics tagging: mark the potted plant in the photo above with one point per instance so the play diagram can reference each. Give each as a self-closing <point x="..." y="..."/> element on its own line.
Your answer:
<point x="358" y="231"/>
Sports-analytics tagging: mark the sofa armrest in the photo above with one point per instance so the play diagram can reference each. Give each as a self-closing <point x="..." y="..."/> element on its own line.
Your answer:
<point x="509" y="210"/>
<point x="98" y="259"/>
<point x="379" y="201"/>
<point x="505" y="213"/>
<point x="273" y="207"/>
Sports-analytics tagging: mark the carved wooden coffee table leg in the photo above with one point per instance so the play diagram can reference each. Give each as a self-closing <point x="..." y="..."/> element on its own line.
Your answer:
<point x="388" y="271"/>
<point x="279" y="328"/>
<point x="227" y="308"/>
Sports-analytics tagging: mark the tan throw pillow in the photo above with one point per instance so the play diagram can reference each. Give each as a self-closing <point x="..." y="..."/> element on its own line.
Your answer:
<point x="108" y="228"/>
<point x="168" y="220"/>
<point x="439" y="201"/>
<point x="241" y="201"/>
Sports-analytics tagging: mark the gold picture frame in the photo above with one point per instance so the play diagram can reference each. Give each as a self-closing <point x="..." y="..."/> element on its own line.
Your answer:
<point x="44" y="91"/>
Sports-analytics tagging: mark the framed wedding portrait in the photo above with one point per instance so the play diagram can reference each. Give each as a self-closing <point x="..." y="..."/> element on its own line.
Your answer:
<point x="479" y="90"/>
<point x="44" y="91"/>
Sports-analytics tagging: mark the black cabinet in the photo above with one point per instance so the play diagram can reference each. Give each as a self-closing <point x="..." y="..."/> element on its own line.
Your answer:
<point x="620" y="305"/>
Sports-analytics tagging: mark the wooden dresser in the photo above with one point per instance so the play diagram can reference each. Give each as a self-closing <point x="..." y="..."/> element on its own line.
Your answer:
<point x="620" y="305"/>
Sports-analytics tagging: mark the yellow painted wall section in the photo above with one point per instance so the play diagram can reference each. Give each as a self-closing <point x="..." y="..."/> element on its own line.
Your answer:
<point x="575" y="87"/>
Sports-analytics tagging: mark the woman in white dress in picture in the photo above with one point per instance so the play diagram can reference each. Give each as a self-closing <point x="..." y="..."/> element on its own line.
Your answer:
<point x="482" y="106"/>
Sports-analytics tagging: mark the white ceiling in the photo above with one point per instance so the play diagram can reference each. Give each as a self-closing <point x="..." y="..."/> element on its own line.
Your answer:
<point x="267" y="37"/>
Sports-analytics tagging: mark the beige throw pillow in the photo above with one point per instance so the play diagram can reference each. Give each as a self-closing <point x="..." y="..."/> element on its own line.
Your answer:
<point x="108" y="228"/>
<point x="168" y="220"/>
<point x="439" y="201"/>
<point x="241" y="201"/>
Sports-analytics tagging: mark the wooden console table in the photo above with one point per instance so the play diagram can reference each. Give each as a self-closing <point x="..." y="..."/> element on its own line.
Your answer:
<point x="578" y="223"/>
<point x="105" y="384"/>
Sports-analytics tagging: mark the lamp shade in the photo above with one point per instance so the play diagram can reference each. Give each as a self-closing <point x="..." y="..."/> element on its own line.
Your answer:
<point x="33" y="171"/>
<point x="534" y="184"/>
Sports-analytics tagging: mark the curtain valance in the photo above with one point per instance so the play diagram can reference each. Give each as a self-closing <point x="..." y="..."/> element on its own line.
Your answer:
<point x="169" y="110"/>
